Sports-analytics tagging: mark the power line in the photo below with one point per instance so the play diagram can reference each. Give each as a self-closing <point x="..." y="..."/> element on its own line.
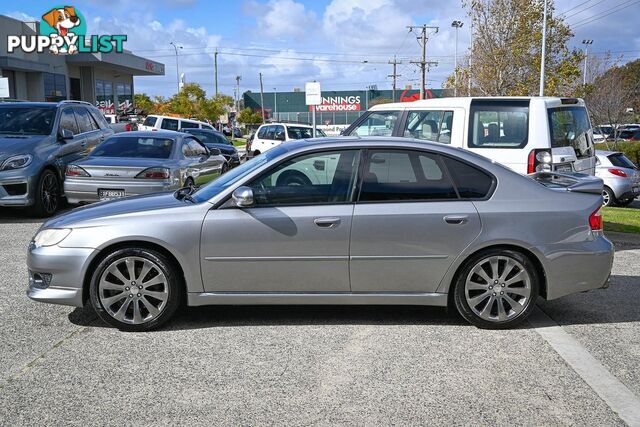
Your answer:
<point x="617" y="9"/>
<point x="574" y="7"/>
<point x="582" y="10"/>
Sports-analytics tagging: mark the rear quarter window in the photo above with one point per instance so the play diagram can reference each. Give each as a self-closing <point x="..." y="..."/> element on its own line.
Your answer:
<point x="471" y="182"/>
<point x="498" y="124"/>
<point x="569" y="127"/>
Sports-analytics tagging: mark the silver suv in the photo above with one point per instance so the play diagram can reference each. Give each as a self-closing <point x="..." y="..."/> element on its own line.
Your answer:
<point x="37" y="141"/>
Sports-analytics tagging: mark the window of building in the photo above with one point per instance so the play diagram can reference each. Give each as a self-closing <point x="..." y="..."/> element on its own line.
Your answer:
<point x="104" y="96"/>
<point x="55" y="87"/>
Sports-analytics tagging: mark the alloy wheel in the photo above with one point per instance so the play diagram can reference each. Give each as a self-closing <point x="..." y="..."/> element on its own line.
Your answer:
<point x="133" y="290"/>
<point x="498" y="288"/>
<point x="49" y="193"/>
<point x="605" y="198"/>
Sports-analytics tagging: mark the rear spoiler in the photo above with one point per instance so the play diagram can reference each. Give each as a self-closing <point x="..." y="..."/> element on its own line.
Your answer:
<point x="575" y="182"/>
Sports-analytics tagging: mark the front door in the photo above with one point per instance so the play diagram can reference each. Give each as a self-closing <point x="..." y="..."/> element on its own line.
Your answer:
<point x="296" y="236"/>
<point x="409" y="223"/>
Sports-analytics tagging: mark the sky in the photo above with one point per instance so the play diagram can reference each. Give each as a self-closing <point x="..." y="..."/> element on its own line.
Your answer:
<point x="344" y="44"/>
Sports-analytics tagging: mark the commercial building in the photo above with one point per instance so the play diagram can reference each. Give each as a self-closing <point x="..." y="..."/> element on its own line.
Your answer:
<point x="103" y="79"/>
<point x="338" y="109"/>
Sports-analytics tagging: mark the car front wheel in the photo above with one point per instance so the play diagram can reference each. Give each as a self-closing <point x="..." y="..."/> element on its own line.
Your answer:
<point x="47" y="197"/>
<point x="496" y="289"/>
<point x="135" y="289"/>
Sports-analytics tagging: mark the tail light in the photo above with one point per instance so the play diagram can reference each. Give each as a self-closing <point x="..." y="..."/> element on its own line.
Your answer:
<point x="595" y="220"/>
<point x="618" y="172"/>
<point x="154" y="173"/>
<point x="539" y="160"/>
<point x="73" y="170"/>
<point x="127" y="127"/>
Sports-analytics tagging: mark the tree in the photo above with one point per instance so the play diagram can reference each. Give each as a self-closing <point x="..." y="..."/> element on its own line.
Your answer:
<point x="249" y="117"/>
<point x="505" y="56"/>
<point x="143" y="102"/>
<point x="192" y="101"/>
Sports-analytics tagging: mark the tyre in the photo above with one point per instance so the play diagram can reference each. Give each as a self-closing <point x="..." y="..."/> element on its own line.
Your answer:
<point x="496" y="289"/>
<point x="627" y="202"/>
<point x="292" y="177"/>
<point x="256" y="153"/>
<point x="608" y="197"/>
<point x="225" y="168"/>
<point x="47" y="197"/>
<point x="135" y="289"/>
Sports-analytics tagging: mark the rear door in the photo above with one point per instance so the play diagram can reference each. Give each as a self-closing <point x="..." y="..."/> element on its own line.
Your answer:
<point x="572" y="138"/>
<point x="88" y="128"/>
<point x="409" y="223"/>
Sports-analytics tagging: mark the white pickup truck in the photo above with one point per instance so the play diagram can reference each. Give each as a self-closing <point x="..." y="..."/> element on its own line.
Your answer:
<point x="120" y="123"/>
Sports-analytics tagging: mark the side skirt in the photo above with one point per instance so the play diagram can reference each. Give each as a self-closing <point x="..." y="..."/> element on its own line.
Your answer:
<point x="213" y="298"/>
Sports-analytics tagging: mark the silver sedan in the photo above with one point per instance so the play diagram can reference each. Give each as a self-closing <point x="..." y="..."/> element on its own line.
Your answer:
<point x="333" y="221"/>
<point x="621" y="178"/>
<point x="134" y="163"/>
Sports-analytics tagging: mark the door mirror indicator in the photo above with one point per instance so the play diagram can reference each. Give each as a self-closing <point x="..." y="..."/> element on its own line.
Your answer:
<point x="243" y="197"/>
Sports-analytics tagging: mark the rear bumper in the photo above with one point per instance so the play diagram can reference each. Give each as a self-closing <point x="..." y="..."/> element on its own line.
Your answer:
<point x="86" y="191"/>
<point x="577" y="267"/>
<point x="623" y="188"/>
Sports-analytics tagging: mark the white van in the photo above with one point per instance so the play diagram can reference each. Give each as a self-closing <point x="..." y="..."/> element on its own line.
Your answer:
<point x="527" y="134"/>
<point x="153" y="122"/>
<point x="273" y="134"/>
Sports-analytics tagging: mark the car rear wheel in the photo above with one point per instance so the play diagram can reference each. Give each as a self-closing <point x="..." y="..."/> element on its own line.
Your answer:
<point x="135" y="289"/>
<point x="608" y="197"/>
<point x="496" y="289"/>
<point x="47" y="197"/>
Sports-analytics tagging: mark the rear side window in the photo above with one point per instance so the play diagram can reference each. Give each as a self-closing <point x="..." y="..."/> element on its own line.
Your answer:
<point x="150" y="121"/>
<point x="188" y="125"/>
<point x="85" y="122"/>
<point x="498" y="124"/>
<point x="434" y="125"/>
<point x="471" y="182"/>
<point x="377" y="123"/>
<point x="169" y="124"/>
<point x="569" y="127"/>
<point x="399" y="175"/>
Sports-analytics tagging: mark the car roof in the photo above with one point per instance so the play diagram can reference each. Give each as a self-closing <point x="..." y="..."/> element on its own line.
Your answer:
<point x="29" y="104"/>
<point x="153" y="134"/>
<point x="287" y="124"/>
<point x="463" y="101"/>
<point x="606" y="153"/>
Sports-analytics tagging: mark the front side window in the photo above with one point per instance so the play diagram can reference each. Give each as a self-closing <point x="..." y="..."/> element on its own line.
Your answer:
<point x="570" y="128"/>
<point x="262" y="132"/>
<point x="68" y="121"/>
<point x="279" y="133"/>
<point x="434" y="125"/>
<point x="378" y="123"/>
<point x="134" y="147"/>
<point x="400" y="175"/>
<point x="169" y="124"/>
<point x="271" y="130"/>
<point x="319" y="178"/>
<point x="150" y="121"/>
<point x="85" y="122"/>
<point x="499" y="125"/>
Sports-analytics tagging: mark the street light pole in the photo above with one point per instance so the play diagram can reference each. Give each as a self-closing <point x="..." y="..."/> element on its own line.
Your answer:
<point x="456" y="25"/>
<point x="586" y="44"/>
<point x="275" y="103"/>
<point x="544" y="48"/>
<point x="176" y="46"/>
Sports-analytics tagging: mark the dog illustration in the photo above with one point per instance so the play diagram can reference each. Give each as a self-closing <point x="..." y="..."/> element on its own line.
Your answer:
<point x="62" y="20"/>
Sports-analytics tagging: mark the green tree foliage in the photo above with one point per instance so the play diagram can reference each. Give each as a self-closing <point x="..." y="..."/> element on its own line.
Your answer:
<point x="192" y="101"/>
<point x="507" y="47"/>
<point x="249" y="117"/>
<point x="143" y="102"/>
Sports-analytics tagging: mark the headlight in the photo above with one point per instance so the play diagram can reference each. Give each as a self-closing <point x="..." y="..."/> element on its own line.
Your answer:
<point x="50" y="236"/>
<point x="17" y="162"/>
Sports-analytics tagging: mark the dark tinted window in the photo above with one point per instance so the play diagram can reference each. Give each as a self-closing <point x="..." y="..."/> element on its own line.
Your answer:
<point x="185" y="124"/>
<point x="570" y="128"/>
<point x="150" y="121"/>
<point x="299" y="132"/>
<point x="68" y="121"/>
<point x="26" y="120"/>
<point x="404" y="175"/>
<point x="621" y="161"/>
<point x="98" y="117"/>
<point x="169" y="124"/>
<point x="318" y="178"/>
<point x="472" y="183"/>
<point x="262" y="132"/>
<point x="270" y="133"/>
<point x="495" y="124"/>
<point x="134" y="147"/>
<point x="84" y="120"/>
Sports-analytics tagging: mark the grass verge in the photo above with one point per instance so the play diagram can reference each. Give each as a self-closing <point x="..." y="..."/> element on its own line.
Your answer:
<point x="623" y="220"/>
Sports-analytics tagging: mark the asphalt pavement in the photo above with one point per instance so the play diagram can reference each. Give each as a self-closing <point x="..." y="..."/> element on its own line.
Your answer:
<point x="309" y="365"/>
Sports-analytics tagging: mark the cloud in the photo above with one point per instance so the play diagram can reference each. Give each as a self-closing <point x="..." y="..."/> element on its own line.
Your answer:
<point x="22" y="16"/>
<point x="280" y="18"/>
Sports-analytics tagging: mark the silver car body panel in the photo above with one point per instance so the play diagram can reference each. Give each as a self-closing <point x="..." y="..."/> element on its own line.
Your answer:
<point x="622" y="187"/>
<point x="277" y="256"/>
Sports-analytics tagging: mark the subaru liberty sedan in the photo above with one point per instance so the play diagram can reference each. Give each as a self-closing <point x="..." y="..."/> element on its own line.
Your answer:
<point x="333" y="221"/>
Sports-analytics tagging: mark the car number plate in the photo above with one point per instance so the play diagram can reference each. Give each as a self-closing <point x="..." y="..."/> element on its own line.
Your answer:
<point x="563" y="168"/>
<point x="104" y="194"/>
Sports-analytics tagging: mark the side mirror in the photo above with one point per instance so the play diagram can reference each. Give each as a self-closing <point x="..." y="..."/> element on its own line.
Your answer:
<point x="214" y="151"/>
<point x="243" y="197"/>
<point x="65" y="134"/>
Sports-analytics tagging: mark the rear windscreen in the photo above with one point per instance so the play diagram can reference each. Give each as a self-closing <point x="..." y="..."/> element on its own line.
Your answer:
<point x="569" y="127"/>
<point x="134" y="147"/>
<point x="621" y="161"/>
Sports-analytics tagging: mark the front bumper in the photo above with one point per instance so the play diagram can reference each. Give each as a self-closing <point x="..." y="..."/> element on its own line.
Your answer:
<point x="86" y="191"/>
<point x="15" y="190"/>
<point x="66" y="268"/>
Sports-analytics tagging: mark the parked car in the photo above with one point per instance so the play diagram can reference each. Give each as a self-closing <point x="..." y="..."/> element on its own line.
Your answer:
<point x="154" y="122"/>
<point x="141" y="162"/>
<point x="273" y="134"/>
<point x="120" y="124"/>
<point x="37" y="140"/>
<point x="215" y="139"/>
<point x="527" y="134"/>
<point x="626" y="135"/>
<point x="396" y="221"/>
<point x="621" y="178"/>
<point x="237" y="133"/>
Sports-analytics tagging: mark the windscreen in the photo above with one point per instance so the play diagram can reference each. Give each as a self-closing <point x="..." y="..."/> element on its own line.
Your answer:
<point x="135" y="147"/>
<point x="26" y="120"/>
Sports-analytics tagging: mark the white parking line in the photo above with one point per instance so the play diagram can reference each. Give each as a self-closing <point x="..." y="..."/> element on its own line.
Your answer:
<point x="615" y="394"/>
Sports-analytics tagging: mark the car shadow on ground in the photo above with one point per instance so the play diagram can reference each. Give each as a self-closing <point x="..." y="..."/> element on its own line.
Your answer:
<point x="613" y="305"/>
<point x="23" y="216"/>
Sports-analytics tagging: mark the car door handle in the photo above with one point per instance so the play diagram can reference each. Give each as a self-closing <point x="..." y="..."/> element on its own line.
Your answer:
<point x="327" y="222"/>
<point x="456" y="219"/>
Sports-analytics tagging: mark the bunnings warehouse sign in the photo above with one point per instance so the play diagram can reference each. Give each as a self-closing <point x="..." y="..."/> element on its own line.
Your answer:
<point x="339" y="103"/>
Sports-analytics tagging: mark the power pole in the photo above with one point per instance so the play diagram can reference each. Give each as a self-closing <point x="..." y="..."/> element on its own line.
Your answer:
<point x="423" y="63"/>
<point x="261" y="98"/>
<point x="215" y="67"/>
<point x="586" y="44"/>
<point x="238" y="78"/>
<point x="544" y="48"/>
<point x="395" y="76"/>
